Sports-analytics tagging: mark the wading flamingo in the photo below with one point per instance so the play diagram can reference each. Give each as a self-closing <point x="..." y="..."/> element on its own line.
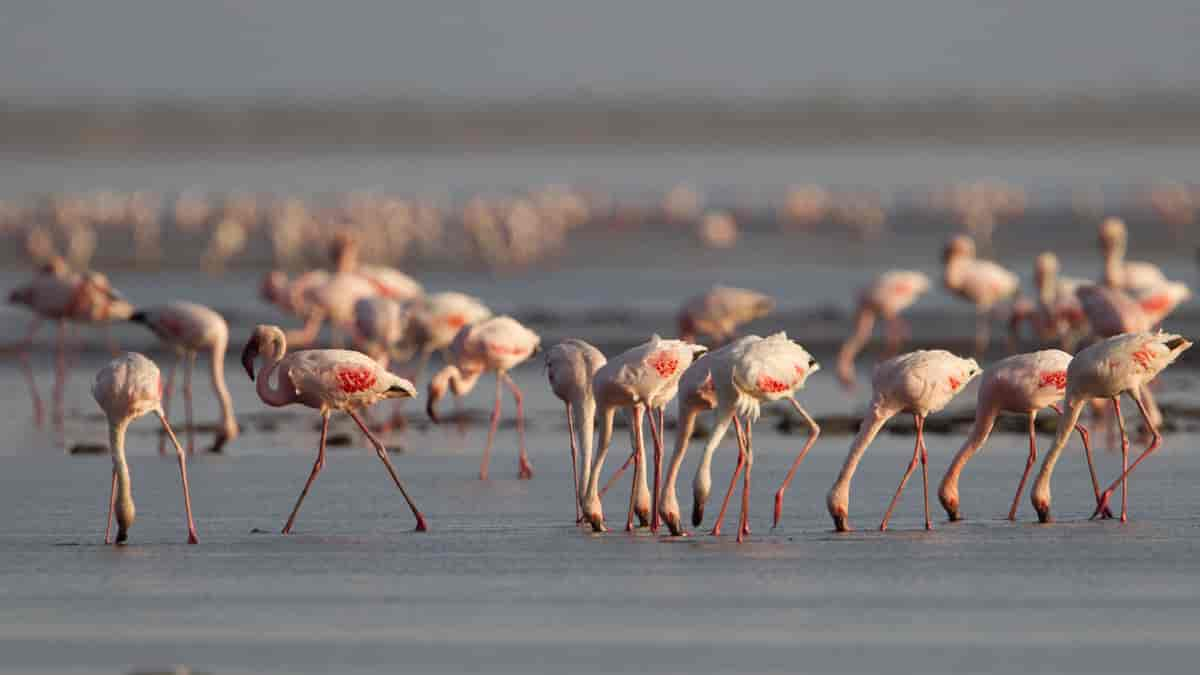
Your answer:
<point x="1021" y="384"/>
<point x="570" y="366"/>
<point x="1119" y="273"/>
<point x="886" y="296"/>
<point x="718" y="312"/>
<point x="981" y="282"/>
<point x="326" y="380"/>
<point x="189" y="328"/>
<point x="437" y="320"/>
<point x="1119" y="365"/>
<point x="127" y="388"/>
<point x="498" y="345"/>
<point x="921" y="382"/>
<point x="633" y="380"/>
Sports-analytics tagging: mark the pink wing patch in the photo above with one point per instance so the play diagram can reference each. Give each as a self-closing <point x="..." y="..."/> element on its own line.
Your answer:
<point x="454" y="320"/>
<point x="664" y="363"/>
<point x="902" y="288"/>
<point x="510" y="350"/>
<point x="1057" y="379"/>
<point x="954" y="383"/>
<point x="171" y="325"/>
<point x="1143" y="357"/>
<point x="771" y="385"/>
<point x="354" y="380"/>
<point x="1156" y="303"/>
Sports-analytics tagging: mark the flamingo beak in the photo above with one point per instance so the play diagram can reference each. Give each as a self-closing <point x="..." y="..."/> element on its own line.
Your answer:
<point x="249" y="354"/>
<point x="434" y="395"/>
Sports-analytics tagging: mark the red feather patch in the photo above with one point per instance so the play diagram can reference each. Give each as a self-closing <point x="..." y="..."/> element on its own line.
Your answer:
<point x="1057" y="378"/>
<point x="771" y="385"/>
<point x="664" y="362"/>
<point x="1143" y="357"/>
<point x="955" y="383"/>
<point x="354" y="380"/>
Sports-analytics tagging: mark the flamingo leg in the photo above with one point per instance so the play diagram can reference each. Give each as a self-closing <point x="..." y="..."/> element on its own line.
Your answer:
<point x="383" y="456"/>
<point x="924" y="469"/>
<point x="983" y="331"/>
<point x="1032" y="459"/>
<point x="187" y="495"/>
<point x="60" y="373"/>
<point x="744" y="520"/>
<point x="1124" y="453"/>
<point x="187" y="402"/>
<point x="617" y="474"/>
<point x="639" y="466"/>
<point x="524" y="469"/>
<point x="487" y="448"/>
<point x="1155" y="442"/>
<point x="168" y="390"/>
<point x="112" y="503"/>
<point x="574" y="462"/>
<point x="656" y="437"/>
<point x="27" y="370"/>
<point x="814" y="432"/>
<point x="1087" y="451"/>
<point x="317" y="466"/>
<point x="912" y="466"/>
<point x="741" y="463"/>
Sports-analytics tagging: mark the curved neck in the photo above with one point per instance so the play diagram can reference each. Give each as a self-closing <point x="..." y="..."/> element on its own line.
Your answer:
<point x="1046" y="281"/>
<point x="217" y="364"/>
<point x="702" y="483"/>
<point x="585" y="426"/>
<point x="984" y="421"/>
<point x="683" y="437"/>
<point x="863" y="323"/>
<point x="871" y="425"/>
<point x="278" y="395"/>
<point x="1114" y="266"/>
<point x="952" y="275"/>
<point x="462" y="383"/>
<point x="1066" y="424"/>
<point x="606" y="431"/>
<point x="124" y="498"/>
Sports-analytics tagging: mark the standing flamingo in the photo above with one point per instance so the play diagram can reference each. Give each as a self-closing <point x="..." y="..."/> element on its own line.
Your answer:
<point x="1059" y="314"/>
<point x="127" y="388"/>
<point x="1023" y="384"/>
<point x="718" y="312"/>
<point x="571" y="365"/>
<point x="189" y="328"/>
<point x="327" y="380"/>
<point x="438" y="319"/>
<point x="981" y="282"/>
<point x="887" y="296"/>
<point x="1119" y="365"/>
<point x="498" y="344"/>
<point x="634" y="380"/>
<point x="921" y="382"/>
<point x="1119" y="273"/>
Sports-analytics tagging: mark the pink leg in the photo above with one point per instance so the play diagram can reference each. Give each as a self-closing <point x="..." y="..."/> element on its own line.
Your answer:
<point x="487" y="448"/>
<point x="187" y="402"/>
<point x="1124" y="454"/>
<point x="168" y="390"/>
<point x="912" y="466"/>
<point x="574" y="462"/>
<point x="60" y="374"/>
<point x="27" y="370"/>
<point x="744" y="520"/>
<point x="1012" y="512"/>
<point x="524" y="469"/>
<point x="112" y="503"/>
<point x="617" y="474"/>
<point x="383" y="456"/>
<point x="741" y="463"/>
<point x="638" y="452"/>
<point x="187" y="495"/>
<point x="317" y="466"/>
<point x="1155" y="442"/>
<point x="924" y="470"/>
<point x="814" y="433"/>
<point x="656" y="437"/>
<point x="1087" y="451"/>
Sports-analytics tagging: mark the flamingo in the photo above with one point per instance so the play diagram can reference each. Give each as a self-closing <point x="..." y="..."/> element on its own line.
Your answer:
<point x="326" y="380"/>
<point x="127" y="388"/>
<point x="887" y="296"/>
<point x="189" y="328"/>
<point x="1122" y="364"/>
<point x="498" y="344"/>
<point x="1023" y="384"/>
<point x="981" y="282"/>
<point x="736" y="380"/>
<point x="634" y="380"/>
<point x="921" y="382"/>
<point x="61" y="295"/>
<point x="438" y="319"/>
<point x="1118" y="273"/>
<point x="571" y="365"/>
<point x="718" y="312"/>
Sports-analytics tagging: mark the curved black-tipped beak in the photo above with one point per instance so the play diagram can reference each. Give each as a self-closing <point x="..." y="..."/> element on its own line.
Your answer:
<point x="841" y="523"/>
<point x="430" y="410"/>
<point x="138" y="317"/>
<point x="249" y="354"/>
<point x="697" y="513"/>
<point x="1044" y="515"/>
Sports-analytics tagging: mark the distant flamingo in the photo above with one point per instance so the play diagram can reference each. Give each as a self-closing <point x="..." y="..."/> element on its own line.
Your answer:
<point x="1119" y="365"/>
<point x="633" y="380"/>
<point x="438" y="319"/>
<point x="327" y="380"/>
<point x="571" y="365"/>
<point x="718" y="312"/>
<point x="1118" y="273"/>
<point x="1022" y="384"/>
<point x="1059" y="315"/>
<point x="188" y="329"/>
<point x="886" y="296"/>
<point x="921" y="382"/>
<point x="981" y="282"/>
<point x="127" y="388"/>
<point x="498" y="345"/>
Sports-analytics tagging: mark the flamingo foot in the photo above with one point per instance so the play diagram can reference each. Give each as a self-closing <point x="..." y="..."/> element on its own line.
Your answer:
<point x="526" y="471"/>
<point x="1102" y="511"/>
<point x="421" y="527"/>
<point x="192" y="539"/>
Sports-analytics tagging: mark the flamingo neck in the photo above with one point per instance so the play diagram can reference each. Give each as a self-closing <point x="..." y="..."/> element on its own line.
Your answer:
<point x="217" y="363"/>
<point x="864" y="321"/>
<point x="585" y="426"/>
<point x="462" y="383"/>
<point x="984" y="421"/>
<point x="702" y="483"/>
<point x="838" y="500"/>
<point x="125" y="511"/>
<point x="1066" y="424"/>
<point x="687" y="427"/>
<point x="277" y="395"/>
<point x="1114" y="266"/>
<point x="952" y="275"/>
<point x="606" y="432"/>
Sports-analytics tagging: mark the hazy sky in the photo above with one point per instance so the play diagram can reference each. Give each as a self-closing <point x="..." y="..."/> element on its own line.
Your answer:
<point x="521" y="47"/>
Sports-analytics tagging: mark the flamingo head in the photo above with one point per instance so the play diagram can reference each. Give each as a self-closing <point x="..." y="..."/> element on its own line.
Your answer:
<point x="959" y="247"/>
<point x="267" y="337"/>
<point x="274" y="286"/>
<point x="438" y="384"/>
<point x="1113" y="233"/>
